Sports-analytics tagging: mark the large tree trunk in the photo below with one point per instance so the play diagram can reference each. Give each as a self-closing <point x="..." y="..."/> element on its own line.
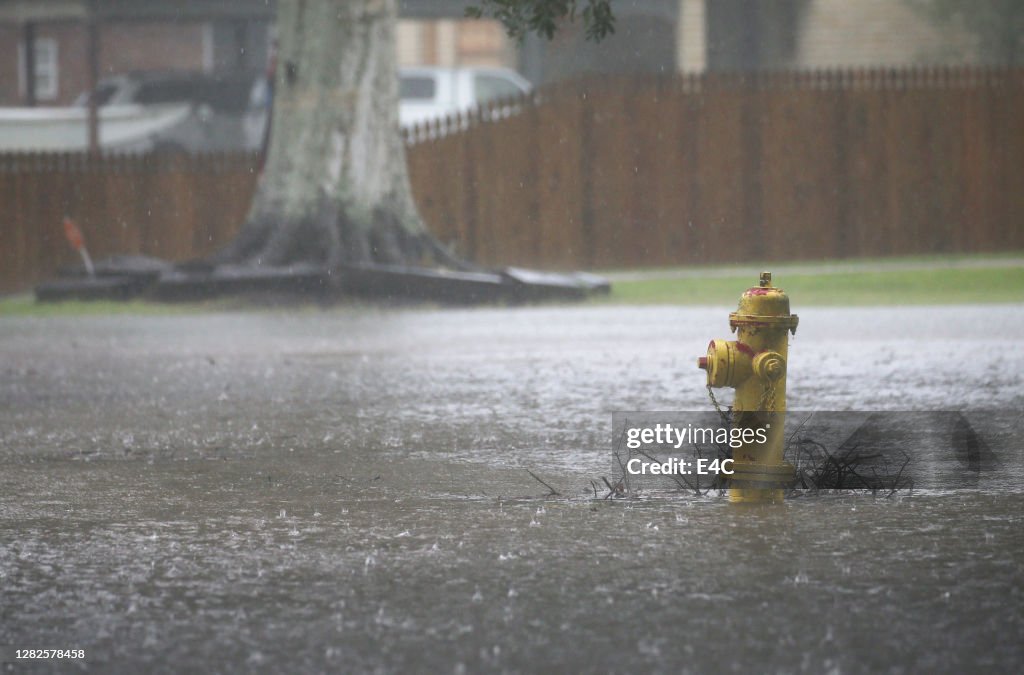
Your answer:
<point x="335" y="188"/>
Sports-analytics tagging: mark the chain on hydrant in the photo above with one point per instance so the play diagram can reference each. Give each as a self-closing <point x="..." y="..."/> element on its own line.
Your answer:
<point x="754" y="364"/>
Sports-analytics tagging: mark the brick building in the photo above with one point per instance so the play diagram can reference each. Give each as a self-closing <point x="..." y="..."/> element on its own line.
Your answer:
<point x="660" y="36"/>
<point x="226" y="36"/>
<point x="451" y="42"/>
<point x="60" y="62"/>
<point x="749" y="34"/>
<point x="651" y="36"/>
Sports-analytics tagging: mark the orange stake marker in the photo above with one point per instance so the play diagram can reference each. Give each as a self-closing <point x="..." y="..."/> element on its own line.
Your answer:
<point x="77" y="241"/>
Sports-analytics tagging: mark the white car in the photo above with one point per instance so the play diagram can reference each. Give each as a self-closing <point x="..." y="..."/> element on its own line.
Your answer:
<point x="218" y="109"/>
<point x="127" y="127"/>
<point x="139" y="112"/>
<point x="427" y="93"/>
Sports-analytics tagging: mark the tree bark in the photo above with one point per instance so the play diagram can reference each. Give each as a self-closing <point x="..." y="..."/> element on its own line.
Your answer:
<point x="335" y="188"/>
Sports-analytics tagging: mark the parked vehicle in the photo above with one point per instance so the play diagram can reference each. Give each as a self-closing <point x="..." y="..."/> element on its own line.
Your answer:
<point x="138" y="112"/>
<point x="426" y="93"/>
<point x="222" y="113"/>
<point x="123" y="127"/>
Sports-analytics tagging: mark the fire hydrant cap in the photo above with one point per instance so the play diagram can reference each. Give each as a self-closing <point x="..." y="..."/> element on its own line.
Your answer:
<point x="769" y="301"/>
<point x="764" y="305"/>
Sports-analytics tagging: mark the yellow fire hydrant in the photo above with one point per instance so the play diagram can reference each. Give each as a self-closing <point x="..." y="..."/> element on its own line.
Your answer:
<point x="755" y="366"/>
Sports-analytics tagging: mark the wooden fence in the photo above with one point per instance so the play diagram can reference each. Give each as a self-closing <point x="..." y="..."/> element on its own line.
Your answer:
<point x="175" y="207"/>
<point x="615" y="172"/>
<point x="726" y="168"/>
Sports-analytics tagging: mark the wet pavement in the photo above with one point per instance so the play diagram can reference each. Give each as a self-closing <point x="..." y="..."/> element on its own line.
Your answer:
<point x="348" y="491"/>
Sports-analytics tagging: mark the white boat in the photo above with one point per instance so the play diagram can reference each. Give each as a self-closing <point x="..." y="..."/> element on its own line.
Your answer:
<point x="121" y="127"/>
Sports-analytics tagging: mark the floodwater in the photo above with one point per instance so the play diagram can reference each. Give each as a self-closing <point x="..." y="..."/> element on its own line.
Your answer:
<point x="347" y="491"/>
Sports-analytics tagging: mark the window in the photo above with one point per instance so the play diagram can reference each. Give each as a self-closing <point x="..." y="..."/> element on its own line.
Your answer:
<point x="413" y="88"/>
<point x="490" y="87"/>
<point x="46" y="69"/>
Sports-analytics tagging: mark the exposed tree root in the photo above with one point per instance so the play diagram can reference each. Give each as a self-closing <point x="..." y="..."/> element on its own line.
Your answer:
<point x="333" y="240"/>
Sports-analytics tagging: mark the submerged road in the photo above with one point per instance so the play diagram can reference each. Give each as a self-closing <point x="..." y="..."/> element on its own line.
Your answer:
<point x="348" y="491"/>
